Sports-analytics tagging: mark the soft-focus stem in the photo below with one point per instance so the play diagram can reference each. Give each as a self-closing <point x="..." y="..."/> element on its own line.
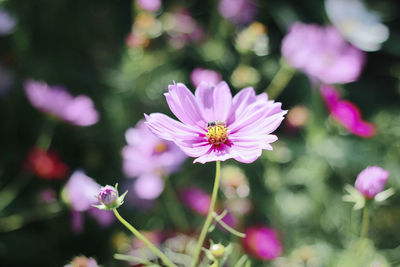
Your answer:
<point x="209" y="218"/>
<point x="176" y="214"/>
<point x="158" y="252"/>
<point x="280" y="80"/>
<point x="365" y="223"/>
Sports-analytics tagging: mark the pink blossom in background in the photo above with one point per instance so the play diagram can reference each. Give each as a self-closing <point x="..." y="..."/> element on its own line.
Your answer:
<point x="182" y="28"/>
<point x="58" y="102"/>
<point x="371" y="181"/>
<point x="322" y="53"/>
<point x="149" y="5"/>
<point x="216" y="127"/>
<point x="346" y="113"/>
<point x="199" y="75"/>
<point x="262" y="242"/>
<point x="149" y="158"/>
<point x="196" y="199"/>
<point x="81" y="193"/>
<point x="238" y="11"/>
<point x="82" y="261"/>
<point x="48" y="196"/>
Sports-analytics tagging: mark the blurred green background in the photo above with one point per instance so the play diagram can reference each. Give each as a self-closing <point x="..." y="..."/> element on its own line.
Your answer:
<point x="297" y="188"/>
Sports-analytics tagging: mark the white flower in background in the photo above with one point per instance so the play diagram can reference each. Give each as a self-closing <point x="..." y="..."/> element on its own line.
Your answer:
<point x="360" y="26"/>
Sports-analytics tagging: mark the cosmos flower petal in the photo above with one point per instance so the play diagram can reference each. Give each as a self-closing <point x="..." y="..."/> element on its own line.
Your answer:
<point x="184" y="106"/>
<point x="215" y="154"/>
<point x="169" y="129"/>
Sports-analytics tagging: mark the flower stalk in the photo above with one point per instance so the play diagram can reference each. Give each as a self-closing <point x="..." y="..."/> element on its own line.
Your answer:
<point x="365" y="223"/>
<point x="209" y="218"/>
<point x="158" y="252"/>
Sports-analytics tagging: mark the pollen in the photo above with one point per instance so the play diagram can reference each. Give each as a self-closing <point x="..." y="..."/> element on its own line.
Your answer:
<point x="160" y="148"/>
<point x="217" y="133"/>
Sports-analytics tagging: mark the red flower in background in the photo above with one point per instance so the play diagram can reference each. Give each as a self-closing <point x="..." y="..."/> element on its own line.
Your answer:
<point x="45" y="164"/>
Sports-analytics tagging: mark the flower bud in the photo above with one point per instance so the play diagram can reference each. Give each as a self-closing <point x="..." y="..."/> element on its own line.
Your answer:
<point x="109" y="198"/>
<point x="262" y="242"/>
<point x="371" y="181"/>
<point x="217" y="250"/>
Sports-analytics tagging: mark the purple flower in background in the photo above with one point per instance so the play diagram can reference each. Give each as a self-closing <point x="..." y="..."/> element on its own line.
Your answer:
<point x="371" y="181"/>
<point x="149" y="5"/>
<point x="81" y="193"/>
<point x="322" y="53"/>
<point x="262" y="242"/>
<point x="197" y="200"/>
<point x="58" y="102"/>
<point x="199" y="75"/>
<point x="216" y="127"/>
<point x="149" y="158"/>
<point x="238" y="11"/>
<point x="346" y="113"/>
<point x="7" y="22"/>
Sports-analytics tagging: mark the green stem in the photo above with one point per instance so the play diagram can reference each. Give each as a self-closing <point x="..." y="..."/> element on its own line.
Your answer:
<point x="145" y="240"/>
<point x="227" y="227"/>
<point x="131" y="258"/>
<point x="177" y="215"/>
<point x="209" y="218"/>
<point x="280" y="80"/>
<point x="365" y="223"/>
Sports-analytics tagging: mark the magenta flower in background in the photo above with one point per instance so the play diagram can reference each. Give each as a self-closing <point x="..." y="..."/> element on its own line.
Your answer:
<point x="346" y="113"/>
<point x="149" y="158"/>
<point x="322" y="53"/>
<point x="81" y="193"/>
<point x="58" y="102"/>
<point x="238" y="11"/>
<point x="149" y="5"/>
<point x="262" y="242"/>
<point x="199" y="75"/>
<point x="216" y="127"/>
<point x="196" y="199"/>
<point x="371" y="181"/>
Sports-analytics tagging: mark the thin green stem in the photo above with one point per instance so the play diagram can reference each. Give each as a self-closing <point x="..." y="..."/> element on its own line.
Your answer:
<point x="209" y="218"/>
<point x="145" y="240"/>
<point x="177" y="215"/>
<point x="131" y="258"/>
<point x="365" y="223"/>
<point x="280" y="80"/>
<point x="227" y="227"/>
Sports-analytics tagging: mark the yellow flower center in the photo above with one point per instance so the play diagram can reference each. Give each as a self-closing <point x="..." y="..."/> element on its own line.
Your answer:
<point x="160" y="148"/>
<point x="217" y="133"/>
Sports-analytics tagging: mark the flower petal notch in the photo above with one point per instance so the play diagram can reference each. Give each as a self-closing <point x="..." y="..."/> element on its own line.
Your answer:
<point x="214" y="126"/>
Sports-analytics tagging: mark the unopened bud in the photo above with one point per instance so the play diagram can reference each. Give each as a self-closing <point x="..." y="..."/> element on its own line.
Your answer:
<point x="217" y="250"/>
<point x="109" y="198"/>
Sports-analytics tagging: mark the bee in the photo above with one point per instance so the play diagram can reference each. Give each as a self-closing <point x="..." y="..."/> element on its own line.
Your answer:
<point x="215" y="123"/>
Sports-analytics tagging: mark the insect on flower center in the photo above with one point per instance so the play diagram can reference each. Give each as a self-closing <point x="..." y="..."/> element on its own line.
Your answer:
<point x="217" y="133"/>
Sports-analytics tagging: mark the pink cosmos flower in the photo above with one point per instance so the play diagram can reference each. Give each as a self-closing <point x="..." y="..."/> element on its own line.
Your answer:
<point x="216" y="127"/>
<point x="199" y="75"/>
<point x="56" y="101"/>
<point x="149" y="5"/>
<point x="262" y="242"/>
<point x="197" y="200"/>
<point x="322" y="53"/>
<point x="346" y="113"/>
<point x="81" y="194"/>
<point x="371" y="181"/>
<point x="238" y="11"/>
<point x="149" y="160"/>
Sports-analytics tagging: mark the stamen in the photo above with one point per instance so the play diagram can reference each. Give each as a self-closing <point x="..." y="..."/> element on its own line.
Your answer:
<point x="160" y="148"/>
<point x="217" y="132"/>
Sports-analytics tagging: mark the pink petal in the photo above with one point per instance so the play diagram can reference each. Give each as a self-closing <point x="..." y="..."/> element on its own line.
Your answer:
<point x="183" y="104"/>
<point x="215" y="101"/>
